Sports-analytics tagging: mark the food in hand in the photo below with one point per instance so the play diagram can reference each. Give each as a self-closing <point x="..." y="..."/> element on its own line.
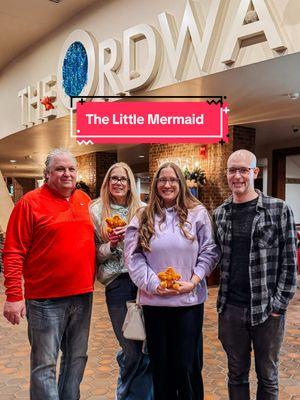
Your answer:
<point x="114" y="222"/>
<point x="176" y="286"/>
<point x="164" y="284"/>
<point x="168" y="278"/>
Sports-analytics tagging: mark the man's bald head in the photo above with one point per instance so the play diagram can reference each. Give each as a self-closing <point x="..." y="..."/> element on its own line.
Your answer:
<point x="243" y="157"/>
<point x="241" y="173"/>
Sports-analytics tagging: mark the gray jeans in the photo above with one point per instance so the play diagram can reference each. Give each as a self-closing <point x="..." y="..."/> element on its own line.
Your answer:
<point x="53" y="325"/>
<point x="238" y="338"/>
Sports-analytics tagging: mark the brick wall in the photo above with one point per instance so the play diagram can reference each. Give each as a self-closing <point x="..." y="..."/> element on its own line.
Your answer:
<point x="214" y="164"/>
<point x="92" y="167"/>
<point x="22" y="186"/>
<point x="87" y="171"/>
<point x="173" y="152"/>
<point x="243" y="137"/>
<point x="103" y="161"/>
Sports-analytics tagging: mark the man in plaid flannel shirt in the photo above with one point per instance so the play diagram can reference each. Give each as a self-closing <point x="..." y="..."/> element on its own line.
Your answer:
<point x="257" y="237"/>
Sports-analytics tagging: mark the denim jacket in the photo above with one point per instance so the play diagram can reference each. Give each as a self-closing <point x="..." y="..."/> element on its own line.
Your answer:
<point x="272" y="258"/>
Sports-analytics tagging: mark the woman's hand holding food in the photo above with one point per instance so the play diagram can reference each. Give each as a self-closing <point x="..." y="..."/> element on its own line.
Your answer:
<point x="116" y="236"/>
<point x="170" y="284"/>
<point x="162" y="291"/>
<point x="116" y="227"/>
<point x="186" y="287"/>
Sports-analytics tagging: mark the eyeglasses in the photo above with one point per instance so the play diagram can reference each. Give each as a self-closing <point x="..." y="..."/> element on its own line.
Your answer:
<point x="116" y="179"/>
<point x="242" y="171"/>
<point x="164" y="181"/>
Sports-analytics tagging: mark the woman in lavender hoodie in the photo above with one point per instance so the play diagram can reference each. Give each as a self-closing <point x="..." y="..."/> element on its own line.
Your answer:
<point x="174" y="229"/>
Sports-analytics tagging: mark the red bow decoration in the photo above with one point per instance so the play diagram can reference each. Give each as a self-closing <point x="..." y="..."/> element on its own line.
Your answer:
<point x="47" y="101"/>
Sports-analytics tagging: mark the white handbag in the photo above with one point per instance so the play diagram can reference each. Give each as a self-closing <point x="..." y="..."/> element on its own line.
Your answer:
<point x="134" y="325"/>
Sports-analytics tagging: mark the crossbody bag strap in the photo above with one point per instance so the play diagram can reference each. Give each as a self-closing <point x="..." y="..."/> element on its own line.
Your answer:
<point x="138" y="297"/>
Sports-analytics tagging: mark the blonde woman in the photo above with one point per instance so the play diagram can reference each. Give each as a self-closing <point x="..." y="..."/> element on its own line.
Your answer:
<point x="173" y="229"/>
<point x="118" y="196"/>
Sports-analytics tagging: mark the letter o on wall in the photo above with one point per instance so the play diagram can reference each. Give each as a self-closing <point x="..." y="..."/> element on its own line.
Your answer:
<point x="77" y="70"/>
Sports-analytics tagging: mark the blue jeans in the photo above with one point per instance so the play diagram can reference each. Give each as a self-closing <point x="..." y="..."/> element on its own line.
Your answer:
<point x="53" y="325"/>
<point x="135" y="378"/>
<point x="238" y="337"/>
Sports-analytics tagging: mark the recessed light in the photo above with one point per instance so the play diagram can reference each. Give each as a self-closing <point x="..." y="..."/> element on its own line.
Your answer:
<point x="12" y="161"/>
<point x="141" y="156"/>
<point x="294" y="96"/>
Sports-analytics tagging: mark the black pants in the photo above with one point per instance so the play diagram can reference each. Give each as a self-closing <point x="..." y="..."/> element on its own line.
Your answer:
<point x="174" y="338"/>
<point x="238" y="337"/>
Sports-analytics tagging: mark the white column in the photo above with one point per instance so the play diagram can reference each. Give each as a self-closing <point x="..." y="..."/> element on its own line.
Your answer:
<point x="138" y="185"/>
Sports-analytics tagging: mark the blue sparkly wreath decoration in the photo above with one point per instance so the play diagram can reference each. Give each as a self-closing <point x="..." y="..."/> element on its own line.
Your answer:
<point x="75" y="69"/>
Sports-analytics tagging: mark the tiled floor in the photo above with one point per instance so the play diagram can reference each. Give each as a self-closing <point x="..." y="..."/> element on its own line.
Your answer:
<point x="100" y="375"/>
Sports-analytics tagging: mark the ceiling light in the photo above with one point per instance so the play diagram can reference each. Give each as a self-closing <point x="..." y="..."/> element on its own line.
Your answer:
<point x="12" y="161"/>
<point x="141" y="156"/>
<point x="294" y="96"/>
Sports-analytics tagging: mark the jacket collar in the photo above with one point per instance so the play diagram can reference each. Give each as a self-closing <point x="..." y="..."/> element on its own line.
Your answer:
<point x="55" y="193"/>
<point x="260" y="202"/>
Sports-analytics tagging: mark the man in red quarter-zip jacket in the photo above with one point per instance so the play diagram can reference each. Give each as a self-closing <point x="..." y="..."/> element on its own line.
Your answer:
<point x="50" y="246"/>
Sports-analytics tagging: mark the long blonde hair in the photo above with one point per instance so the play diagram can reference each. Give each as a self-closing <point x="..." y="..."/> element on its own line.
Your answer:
<point x="184" y="201"/>
<point x="133" y="201"/>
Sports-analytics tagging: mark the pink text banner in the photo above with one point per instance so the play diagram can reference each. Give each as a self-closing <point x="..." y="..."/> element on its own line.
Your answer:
<point x="152" y="122"/>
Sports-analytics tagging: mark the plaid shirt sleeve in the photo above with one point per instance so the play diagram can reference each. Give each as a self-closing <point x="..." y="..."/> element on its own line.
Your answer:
<point x="286" y="285"/>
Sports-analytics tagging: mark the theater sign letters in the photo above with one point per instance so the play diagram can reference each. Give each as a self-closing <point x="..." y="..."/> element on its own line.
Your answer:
<point x="87" y="67"/>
